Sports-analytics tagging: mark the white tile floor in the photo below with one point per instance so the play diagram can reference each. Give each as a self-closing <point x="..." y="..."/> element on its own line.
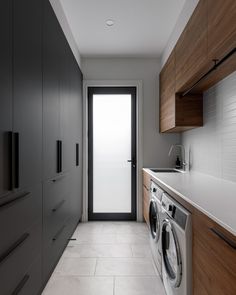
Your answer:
<point x="107" y="258"/>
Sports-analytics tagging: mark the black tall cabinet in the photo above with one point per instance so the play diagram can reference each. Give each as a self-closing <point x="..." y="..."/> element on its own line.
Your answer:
<point x="27" y="89"/>
<point x="5" y="96"/>
<point x="40" y="145"/>
<point x="21" y="146"/>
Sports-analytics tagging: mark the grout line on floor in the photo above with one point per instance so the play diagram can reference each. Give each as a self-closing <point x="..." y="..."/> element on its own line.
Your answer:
<point x="95" y="267"/>
<point x="114" y="284"/>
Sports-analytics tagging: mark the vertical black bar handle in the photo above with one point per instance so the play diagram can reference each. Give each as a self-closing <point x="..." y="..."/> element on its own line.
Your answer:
<point x="77" y="154"/>
<point x="11" y="161"/>
<point x="59" y="156"/>
<point x="16" y="160"/>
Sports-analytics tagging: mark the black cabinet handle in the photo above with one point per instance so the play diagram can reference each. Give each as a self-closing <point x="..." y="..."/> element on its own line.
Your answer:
<point x="16" y="159"/>
<point x="58" y="206"/>
<point x="58" y="233"/>
<point x="21" y="285"/>
<point x="14" y="200"/>
<point x="11" y="161"/>
<point x="228" y="241"/>
<point x="77" y="154"/>
<point x="59" y="156"/>
<point x="13" y="247"/>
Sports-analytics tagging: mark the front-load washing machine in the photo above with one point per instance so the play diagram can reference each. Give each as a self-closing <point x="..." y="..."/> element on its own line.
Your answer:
<point x="176" y="247"/>
<point x="155" y="223"/>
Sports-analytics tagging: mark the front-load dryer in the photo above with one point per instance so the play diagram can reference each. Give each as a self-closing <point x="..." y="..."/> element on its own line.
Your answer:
<point x="155" y="223"/>
<point x="176" y="247"/>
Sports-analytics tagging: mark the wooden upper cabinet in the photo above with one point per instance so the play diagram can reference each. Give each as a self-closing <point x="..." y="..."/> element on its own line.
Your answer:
<point x="191" y="49"/>
<point x="177" y="113"/>
<point x="167" y="95"/>
<point x="221" y="27"/>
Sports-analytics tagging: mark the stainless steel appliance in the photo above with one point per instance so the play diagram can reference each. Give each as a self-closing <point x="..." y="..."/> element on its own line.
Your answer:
<point x="176" y="247"/>
<point x="155" y="223"/>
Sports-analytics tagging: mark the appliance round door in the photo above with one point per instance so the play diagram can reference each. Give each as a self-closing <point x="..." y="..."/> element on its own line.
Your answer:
<point x="171" y="253"/>
<point x="154" y="220"/>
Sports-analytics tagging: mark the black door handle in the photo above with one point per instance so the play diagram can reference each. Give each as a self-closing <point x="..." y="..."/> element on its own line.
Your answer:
<point x="133" y="163"/>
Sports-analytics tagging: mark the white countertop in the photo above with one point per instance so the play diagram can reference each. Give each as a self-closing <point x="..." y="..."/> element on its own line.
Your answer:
<point x="213" y="196"/>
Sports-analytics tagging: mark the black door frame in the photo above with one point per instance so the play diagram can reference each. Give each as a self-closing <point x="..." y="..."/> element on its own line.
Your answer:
<point x="113" y="216"/>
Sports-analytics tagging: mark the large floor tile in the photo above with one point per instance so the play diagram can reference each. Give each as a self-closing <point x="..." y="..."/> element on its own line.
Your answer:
<point x="125" y="267"/>
<point x="138" y="286"/>
<point x="141" y="251"/>
<point x="132" y="238"/>
<point x="76" y="266"/>
<point x="124" y="228"/>
<point x="64" y="285"/>
<point x="98" y="250"/>
<point x="86" y="228"/>
<point x="94" y="238"/>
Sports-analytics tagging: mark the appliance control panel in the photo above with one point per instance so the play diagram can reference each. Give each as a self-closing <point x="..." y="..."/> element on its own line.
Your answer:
<point x="156" y="191"/>
<point x="168" y="205"/>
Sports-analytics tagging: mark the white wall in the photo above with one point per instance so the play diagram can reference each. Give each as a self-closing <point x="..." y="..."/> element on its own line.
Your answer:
<point x="213" y="147"/>
<point x="66" y="28"/>
<point x="155" y="145"/>
<point x="185" y="15"/>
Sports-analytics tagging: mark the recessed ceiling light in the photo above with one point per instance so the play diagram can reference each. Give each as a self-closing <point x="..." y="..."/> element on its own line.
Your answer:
<point x="110" y="22"/>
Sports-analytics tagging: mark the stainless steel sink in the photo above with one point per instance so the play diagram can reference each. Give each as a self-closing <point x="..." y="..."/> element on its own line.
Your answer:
<point x="166" y="170"/>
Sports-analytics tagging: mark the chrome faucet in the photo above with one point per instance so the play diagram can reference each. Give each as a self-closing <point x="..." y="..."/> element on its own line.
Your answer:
<point x="184" y="164"/>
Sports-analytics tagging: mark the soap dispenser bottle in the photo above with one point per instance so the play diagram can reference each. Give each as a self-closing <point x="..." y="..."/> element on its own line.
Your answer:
<point x="177" y="163"/>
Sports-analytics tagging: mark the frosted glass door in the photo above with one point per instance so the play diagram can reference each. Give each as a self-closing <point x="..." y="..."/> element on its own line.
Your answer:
<point x="112" y="144"/>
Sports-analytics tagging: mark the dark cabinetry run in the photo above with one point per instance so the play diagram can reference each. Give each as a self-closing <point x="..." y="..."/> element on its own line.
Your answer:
<point x="40" y="129"/>
<point x="62" y="131"/>
<point x="20" y="146"/>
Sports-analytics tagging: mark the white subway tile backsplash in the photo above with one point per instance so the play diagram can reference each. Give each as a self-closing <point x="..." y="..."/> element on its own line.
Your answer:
<point x="213" y="147"/>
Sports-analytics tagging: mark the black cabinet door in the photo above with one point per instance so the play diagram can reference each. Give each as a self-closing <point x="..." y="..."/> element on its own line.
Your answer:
<point x="77" y="112"/>
<point x="27" y="89"/>
<point x="51" y="88"/>
<point x="66" y="106"/>
<point x="5" y="94"/>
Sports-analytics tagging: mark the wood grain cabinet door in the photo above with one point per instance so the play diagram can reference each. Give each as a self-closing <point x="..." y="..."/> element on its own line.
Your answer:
<point x="191" y="49"/>
<point x="167" y="95"/>
<point x="214" y="259"/>
<point x="221" y="27"/>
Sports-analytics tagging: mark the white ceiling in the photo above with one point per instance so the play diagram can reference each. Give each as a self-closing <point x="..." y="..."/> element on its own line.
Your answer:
<point x="142" y="27"/>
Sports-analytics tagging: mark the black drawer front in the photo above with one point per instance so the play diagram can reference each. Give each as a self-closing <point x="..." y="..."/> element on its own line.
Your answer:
<point x="55" y="190"/>
<point x="56" y="207"/>
<point x="18" y="213"/>
<point x="31" y="282"/>
<point x="54" y="218"/>
<point x="54" y="248"/>
<point x="17" y="258"/>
